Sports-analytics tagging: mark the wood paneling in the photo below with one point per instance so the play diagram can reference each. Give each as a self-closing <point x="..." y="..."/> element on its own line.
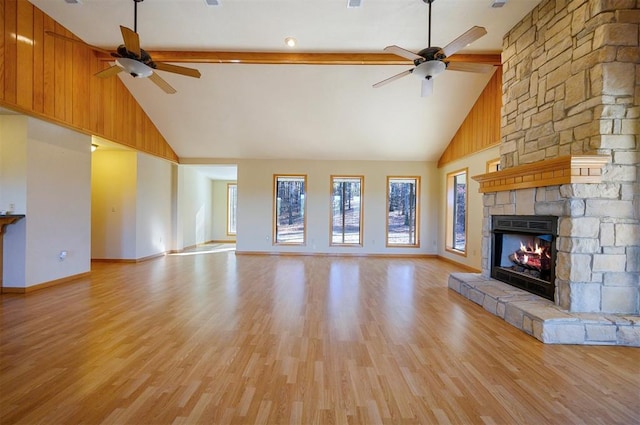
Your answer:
<point x="52" y="79"/>
<point x="481" y="127"/>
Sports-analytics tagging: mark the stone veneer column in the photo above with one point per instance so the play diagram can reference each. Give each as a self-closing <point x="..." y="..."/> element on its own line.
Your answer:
<point x="571" y="85"/>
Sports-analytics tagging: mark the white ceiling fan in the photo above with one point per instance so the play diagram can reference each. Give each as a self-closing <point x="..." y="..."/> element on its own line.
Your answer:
<point x="431" y="61"/>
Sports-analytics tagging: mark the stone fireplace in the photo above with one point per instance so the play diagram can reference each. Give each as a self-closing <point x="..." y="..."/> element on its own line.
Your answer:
<point x="569" y="149"/>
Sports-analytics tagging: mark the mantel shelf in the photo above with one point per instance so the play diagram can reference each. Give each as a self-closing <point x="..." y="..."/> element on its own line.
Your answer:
<point x="553" y="172"/>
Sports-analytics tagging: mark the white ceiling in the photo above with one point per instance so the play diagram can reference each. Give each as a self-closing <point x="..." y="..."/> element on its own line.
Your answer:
<point x="298" y="111"/>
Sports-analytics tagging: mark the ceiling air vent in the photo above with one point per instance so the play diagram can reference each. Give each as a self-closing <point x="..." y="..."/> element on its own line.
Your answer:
<point x="498" y="3"/>
<point x="354" y="3"/>
<point x="212" y="2"/>
<point x="73" y="1"/>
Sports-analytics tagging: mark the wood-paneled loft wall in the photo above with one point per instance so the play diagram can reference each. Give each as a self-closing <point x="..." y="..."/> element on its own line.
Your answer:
<point x="52" y="79"/>
<point x="481" y="128"/>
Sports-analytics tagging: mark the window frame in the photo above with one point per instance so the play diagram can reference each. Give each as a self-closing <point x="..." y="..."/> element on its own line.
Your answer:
<point x="493" y="165"/>
<point x="416" y="244"/>
<point x="360" y="242"/>
<point x="229" y="231"/>
<point x="274" y="220"/>
<point x="450" y="221"/>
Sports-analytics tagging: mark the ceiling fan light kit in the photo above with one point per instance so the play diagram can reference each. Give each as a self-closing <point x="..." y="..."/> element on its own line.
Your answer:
<point x="429" y="69"/>
<point x="134" y="68"/>
<point x="431" y="61"/>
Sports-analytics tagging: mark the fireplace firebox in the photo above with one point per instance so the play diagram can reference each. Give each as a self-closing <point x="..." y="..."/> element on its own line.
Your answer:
<point x="523" y="252"/>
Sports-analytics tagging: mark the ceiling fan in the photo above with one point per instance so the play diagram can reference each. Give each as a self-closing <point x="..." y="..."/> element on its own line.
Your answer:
<point x="134" y="60"/>
<point x="431" y="61"/>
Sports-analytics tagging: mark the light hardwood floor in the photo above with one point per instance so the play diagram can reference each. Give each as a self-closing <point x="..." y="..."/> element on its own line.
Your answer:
<point x="219" y="338"/>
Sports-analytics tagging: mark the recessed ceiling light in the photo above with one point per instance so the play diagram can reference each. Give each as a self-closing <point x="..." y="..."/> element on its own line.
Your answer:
<point x="290" y="41"/>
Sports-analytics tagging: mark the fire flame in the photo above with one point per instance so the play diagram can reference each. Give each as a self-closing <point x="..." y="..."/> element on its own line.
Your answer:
<point x="538" y="249"/>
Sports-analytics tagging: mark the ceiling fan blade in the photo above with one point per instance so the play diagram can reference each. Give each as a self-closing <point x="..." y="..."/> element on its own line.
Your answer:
<point x="190" y="72"/>
<point x="109" y="72"/>
<point x="402" y="52"/>
<point x="75" y="40"/>
<point x="131" y="40"/>
<point x="160" y="82"/>
<point x="465" y="39"/>
<point x="427" y="87"/>
<point x="395" y="77"/>
<point x="470" y="67"/>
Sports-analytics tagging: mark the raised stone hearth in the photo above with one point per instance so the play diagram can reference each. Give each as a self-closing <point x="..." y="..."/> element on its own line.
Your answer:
<point x="543" y="319"/>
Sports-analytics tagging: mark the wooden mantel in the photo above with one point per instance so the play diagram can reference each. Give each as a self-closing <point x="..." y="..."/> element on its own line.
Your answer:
<point x="551" y="172"/>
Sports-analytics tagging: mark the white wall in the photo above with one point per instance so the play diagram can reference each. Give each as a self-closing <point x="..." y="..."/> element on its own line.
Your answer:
<point x="153" y="200"/>
<point x="194" y="215"/>
<point x="476" y="165"/>
<point x="255" y="204"/>
<point x="46" y="172"/>
<point x="219" y="208"/>
<point x="113" y="198"/>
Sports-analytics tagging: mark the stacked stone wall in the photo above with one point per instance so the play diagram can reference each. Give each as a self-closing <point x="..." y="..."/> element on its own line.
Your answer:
<point x="571" y="83"/>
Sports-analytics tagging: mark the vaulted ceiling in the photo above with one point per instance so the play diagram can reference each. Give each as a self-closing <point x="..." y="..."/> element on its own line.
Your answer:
<point x="326" y="111"/>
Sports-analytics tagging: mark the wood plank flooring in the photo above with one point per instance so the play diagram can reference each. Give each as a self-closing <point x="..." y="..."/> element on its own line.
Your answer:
<point x="219" y="338"/>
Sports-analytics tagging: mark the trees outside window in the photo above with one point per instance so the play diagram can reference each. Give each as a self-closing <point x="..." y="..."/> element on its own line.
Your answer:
<point x="289" y="209"/>
<point x="346" y="210"/>
<point x="232" y="203"/>
<point x="456" y="238"/>
<point x="403" y="211"/>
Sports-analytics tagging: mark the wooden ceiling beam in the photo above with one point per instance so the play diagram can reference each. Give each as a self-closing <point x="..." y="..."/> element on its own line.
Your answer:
<point x="276" y="58"/>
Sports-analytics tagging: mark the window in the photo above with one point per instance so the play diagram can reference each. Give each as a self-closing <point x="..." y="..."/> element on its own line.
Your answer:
<point x="346" y="210"/>
<point x="403" y="211"/>
<point x="289" y="209"/>
<point x="456" y="238"/>
<point x="232" y="203"/>
<point x="493" y="165"/>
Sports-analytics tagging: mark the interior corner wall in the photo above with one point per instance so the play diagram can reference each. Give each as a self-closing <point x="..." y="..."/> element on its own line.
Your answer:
<point x="220" y="212"/>
<point x="153" y="212"/>
<point x="255" y="205"/>
<point x="113" y="202"/>
<point x="194" y="216"/>
<point x="475" y="165"/>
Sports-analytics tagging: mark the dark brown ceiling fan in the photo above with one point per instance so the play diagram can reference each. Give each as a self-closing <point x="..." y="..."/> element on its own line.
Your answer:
<point x="431" y="61"/>
<point x="134" y="60"/>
